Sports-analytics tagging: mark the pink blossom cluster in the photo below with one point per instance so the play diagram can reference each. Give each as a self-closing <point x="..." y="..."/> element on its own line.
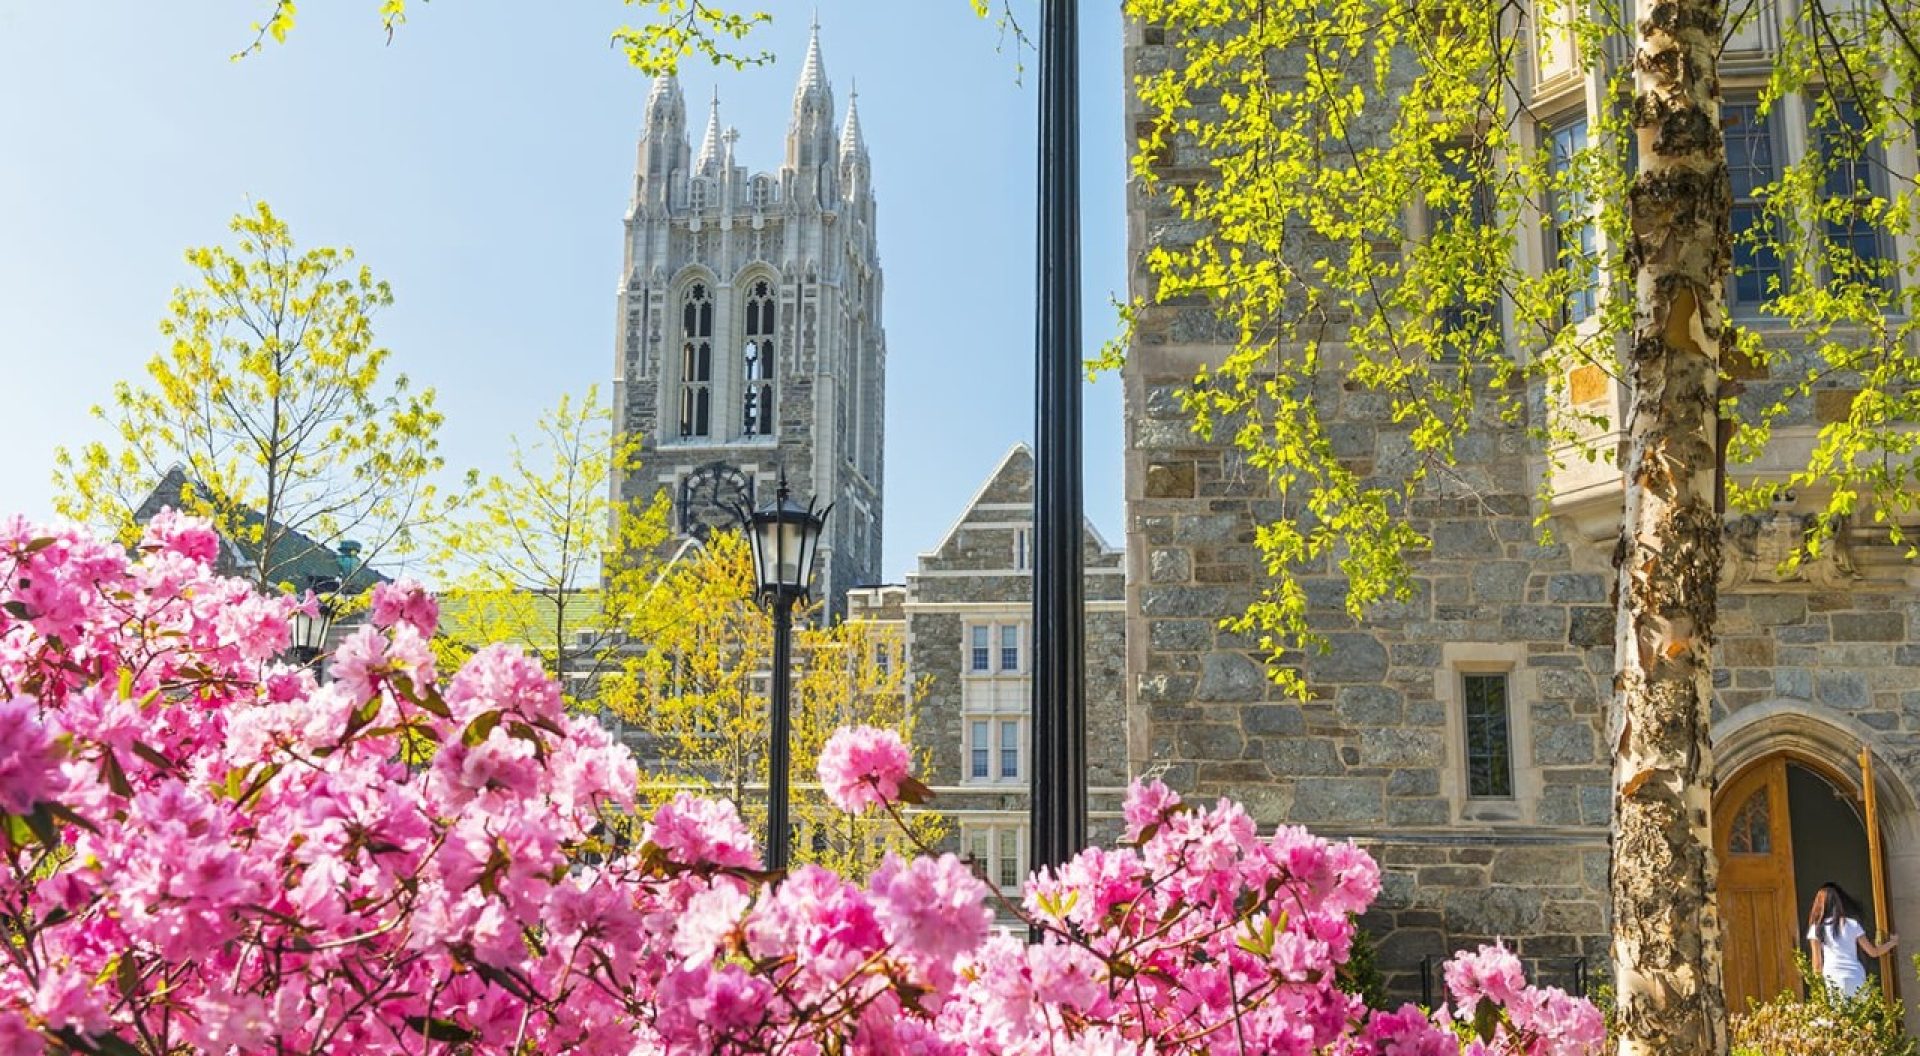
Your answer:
<point x="862" y="767"/>
<point x="206" y="849"/>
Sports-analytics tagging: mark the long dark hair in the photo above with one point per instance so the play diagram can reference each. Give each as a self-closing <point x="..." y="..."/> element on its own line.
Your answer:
<point x="1831" y="905"/>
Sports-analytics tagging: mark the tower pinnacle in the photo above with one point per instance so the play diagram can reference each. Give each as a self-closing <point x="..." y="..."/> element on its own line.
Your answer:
<point x="710" y="143"/>
<point x="852" y="142"/>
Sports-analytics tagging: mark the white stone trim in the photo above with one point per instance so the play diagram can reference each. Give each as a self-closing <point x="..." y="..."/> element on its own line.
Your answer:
<point x="1463" y="658"/>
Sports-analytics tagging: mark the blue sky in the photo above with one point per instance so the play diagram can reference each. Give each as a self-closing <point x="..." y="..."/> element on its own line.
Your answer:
<point x="481" y="163"/>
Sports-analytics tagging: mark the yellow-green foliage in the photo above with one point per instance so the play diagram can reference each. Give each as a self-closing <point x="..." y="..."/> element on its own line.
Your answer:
<point x="1357" y="176"/>
<point x="698" y="690"/>
<point x="1825" y="1024"/>
<point x="543" y="556"/>
<point x="675" y="30"/>
<point x="273" y="397"/>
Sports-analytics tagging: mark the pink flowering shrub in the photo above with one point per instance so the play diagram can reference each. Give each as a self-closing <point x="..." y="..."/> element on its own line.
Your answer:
<point x="203" y="849"/>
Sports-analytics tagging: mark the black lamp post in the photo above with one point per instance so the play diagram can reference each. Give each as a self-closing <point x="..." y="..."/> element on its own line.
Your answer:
<point x="309" y="630"/>
<point x="1059" y="660"/>
<point x="785" y="537"/>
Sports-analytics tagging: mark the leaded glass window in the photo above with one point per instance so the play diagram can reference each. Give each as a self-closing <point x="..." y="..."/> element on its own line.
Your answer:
<point x="696" y="362"/>
<point x="1752" y="826"/>
<point x="756" y="362"/>
<point x="1464" y="225"/>
<point x="1856" y="248"/>
<point x="1752" y="164"/>
<point x="1489" y="730"/>
<point x="1570" y="233"/>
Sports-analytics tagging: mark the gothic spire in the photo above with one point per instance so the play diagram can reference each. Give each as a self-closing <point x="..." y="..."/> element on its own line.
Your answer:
<point x="664" y="103"/>
<point x="710" y="143"/>
<point x="813" y="75"/>
<point x="852" y="142"/>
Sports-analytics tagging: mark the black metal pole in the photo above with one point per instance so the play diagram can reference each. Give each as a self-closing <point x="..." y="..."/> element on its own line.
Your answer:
<point x="779" y="735"/>
<point x="1059" y="691"/>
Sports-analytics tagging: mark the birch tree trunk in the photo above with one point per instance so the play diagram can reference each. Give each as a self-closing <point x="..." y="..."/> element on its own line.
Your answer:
<point x="1666" y="927"/>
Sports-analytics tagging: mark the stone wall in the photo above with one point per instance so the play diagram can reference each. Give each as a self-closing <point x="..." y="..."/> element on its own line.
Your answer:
<point x="972" y="577"/>
<point x="1376" y="753"/>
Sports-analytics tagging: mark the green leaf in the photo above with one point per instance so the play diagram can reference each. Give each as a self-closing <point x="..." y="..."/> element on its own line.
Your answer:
<point x="1486" y="1016"/>
<point x="152" y="756"/>
<point x="433" y="1028"/>
<point x="113" y="775"/>
<point x="480" y="728"/>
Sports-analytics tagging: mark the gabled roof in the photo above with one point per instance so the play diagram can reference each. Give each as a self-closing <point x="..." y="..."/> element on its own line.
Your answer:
<point x="1018" y="453"/>
<point x="297" y="558"/>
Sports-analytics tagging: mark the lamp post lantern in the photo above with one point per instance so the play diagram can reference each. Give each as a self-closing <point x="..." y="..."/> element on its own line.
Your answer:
<point x="785" y="537"/>
<point x="309" y="629"/>
<point x="1059" y="779"/>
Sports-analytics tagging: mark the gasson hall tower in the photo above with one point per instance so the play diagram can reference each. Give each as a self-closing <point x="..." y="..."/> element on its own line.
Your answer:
<point x="749" y="329"/>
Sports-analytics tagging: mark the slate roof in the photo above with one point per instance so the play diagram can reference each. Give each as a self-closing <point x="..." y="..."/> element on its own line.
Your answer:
<point x="297" y="559"/>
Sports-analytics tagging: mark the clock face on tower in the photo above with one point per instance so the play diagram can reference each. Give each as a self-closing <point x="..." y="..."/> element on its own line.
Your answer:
<point x="712" y="498"/>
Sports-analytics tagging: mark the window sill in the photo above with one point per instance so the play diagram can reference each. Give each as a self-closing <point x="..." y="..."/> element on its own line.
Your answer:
<point x="1491" y="810"/>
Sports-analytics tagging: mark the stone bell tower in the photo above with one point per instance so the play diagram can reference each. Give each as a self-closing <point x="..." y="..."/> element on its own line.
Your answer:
<point x="749" y="334"/>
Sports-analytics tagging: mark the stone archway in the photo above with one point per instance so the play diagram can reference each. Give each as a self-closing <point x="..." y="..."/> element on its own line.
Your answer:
<point x="1828" y="743"/>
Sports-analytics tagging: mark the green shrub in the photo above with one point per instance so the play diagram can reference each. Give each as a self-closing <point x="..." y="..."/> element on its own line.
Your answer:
<point x="1360" y="976"/>
<point x="1825" y="1024"/>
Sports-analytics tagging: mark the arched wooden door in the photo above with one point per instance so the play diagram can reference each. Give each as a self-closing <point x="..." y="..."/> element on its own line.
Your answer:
<point x="1753" y="837"/>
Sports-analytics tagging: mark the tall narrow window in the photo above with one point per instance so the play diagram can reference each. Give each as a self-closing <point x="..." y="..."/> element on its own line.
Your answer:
<point x="981" y="750"/>
<point x="1489" y="736"/>
<point x="981" y="658"/>
<point x="1009" y="647"/>
<point x="756" y="362"/>
<point x="1022" y="552"/>
<point x="1751" y="165"/>
<point x="1570" y="235"/>
<point x="1463" y="220"/>
<point x="1009" y="749"/>
<point x="1856" y="247"/>
<point x="696" y="363"/>
<point x="1008" y="861"/>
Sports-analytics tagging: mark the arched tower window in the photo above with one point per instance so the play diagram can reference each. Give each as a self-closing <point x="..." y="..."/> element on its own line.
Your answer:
<point x="761" y="192"/>
<point x="756" y="362"/>
<point x="696" y="362"/>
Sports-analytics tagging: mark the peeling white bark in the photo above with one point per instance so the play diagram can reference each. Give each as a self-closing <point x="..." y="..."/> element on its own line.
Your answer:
<point x="1666" y="928"/>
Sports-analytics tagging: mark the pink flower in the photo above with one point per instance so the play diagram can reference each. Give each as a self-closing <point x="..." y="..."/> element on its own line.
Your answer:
<point x="29" y="759"/>
<point x="1564" y="1025"/>
<point x="175" y="532"/>
<point x="18" y="1039"/>
<point x="934" y="908"/>
<point x="1149" y="803"/>
<point x="863" y="766"/>
<point x="405" y="601"/>
<point x="1407" y="1032"/>
<point x="68" y="998"/>
<point x="710" y="917"/>
<point x="1491" y="972"/>
<point x="695" y="831"/>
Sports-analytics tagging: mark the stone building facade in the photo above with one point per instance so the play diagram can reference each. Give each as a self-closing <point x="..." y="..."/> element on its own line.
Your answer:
<point x="749" y="337"/>
<point x="1461" y="735"/>
<point x="968" y="609"/>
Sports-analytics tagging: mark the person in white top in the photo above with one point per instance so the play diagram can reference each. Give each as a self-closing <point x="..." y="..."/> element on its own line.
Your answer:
<point x="1837" y="937"/>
